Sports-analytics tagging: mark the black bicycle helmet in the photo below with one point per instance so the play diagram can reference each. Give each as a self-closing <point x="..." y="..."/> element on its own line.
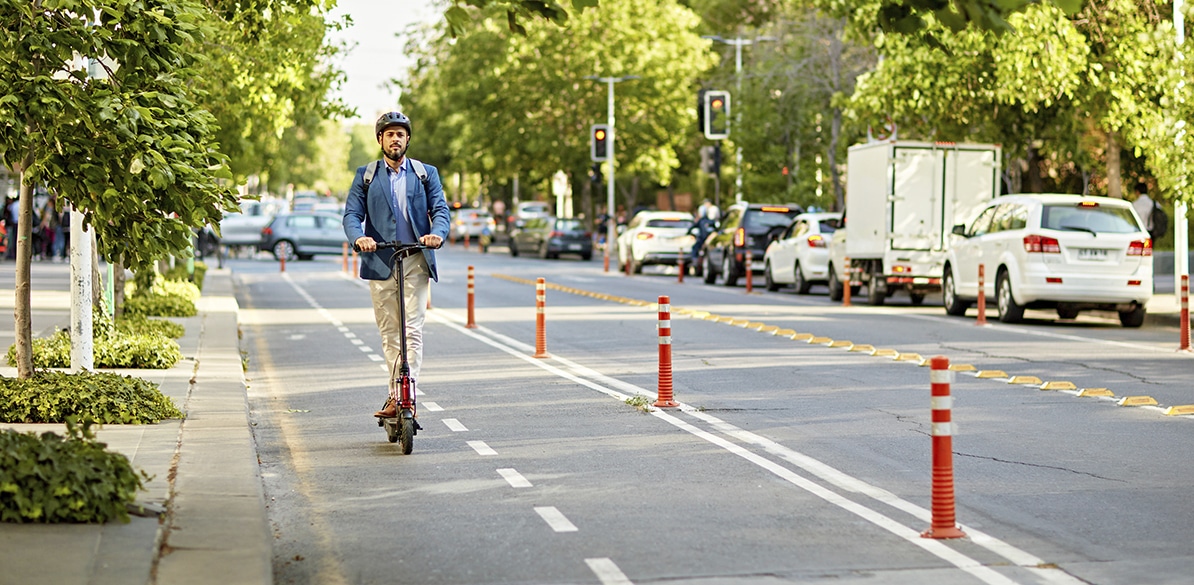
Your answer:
<point x="392" y="119"/>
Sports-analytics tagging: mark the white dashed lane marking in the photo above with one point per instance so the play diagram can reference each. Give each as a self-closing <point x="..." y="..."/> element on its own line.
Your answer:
<point x="455" y="425"/>
<point x="608" y="572"/>
<point x="481" y="448"/>
<point x="555" y="519"/>
<point x="514" y="478"/>
<point x="432" y="407"/>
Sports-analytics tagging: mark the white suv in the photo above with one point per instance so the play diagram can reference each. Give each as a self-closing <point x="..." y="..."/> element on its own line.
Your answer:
<point x="1066" y="252"/>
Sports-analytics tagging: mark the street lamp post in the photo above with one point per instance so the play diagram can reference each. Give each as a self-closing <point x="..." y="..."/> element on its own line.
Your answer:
<point x="611" y="226"/>
<point x="738" y="43"/>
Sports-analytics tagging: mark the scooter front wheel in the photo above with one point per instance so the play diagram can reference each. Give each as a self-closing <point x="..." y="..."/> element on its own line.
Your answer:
<point x="406" y="435"/>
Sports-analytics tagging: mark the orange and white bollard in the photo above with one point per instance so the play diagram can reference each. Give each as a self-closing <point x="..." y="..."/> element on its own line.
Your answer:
<point x="540" y="319"/>
<point x="1185" y="314"/>
<point x="344" y="257"/>
<point x="472" y="322"/>
<point x="282" y="263"/>
<point x="848" y="284"/>
<point x="354" y="262"/>
<point x="680" y="268"/>
<point x="664" y="396"/>
<point x="746" y="269"/>
<point x="466" y="240"/>
<point x="982" y="295"/>
<point x="944" y="521"/>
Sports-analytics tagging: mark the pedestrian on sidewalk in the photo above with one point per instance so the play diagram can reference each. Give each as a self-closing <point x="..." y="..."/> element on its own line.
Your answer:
<point x="419" y="213"/>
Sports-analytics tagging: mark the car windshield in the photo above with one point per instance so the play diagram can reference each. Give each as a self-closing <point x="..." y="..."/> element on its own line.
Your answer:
<point x="670" y="223"/>
<point x="1095" y="218"/>
<point x="769" y="218"/>
<point x="568" y="225"/>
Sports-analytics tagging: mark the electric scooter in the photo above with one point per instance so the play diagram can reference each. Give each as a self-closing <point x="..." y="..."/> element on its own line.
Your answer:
<point x="402" y="428"/>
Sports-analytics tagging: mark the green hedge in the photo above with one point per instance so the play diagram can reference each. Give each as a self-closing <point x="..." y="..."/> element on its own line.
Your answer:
<point x="50" y="478"/>
<point x="103" y="397"/>
<point x="136" y="343"/>
<point x="164" y="298"/>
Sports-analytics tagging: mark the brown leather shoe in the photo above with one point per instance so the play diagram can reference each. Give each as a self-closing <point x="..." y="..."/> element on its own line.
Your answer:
<point x="390" y="410"/>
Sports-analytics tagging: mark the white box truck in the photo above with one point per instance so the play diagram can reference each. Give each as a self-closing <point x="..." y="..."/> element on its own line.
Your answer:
<point x="902" y="201"/>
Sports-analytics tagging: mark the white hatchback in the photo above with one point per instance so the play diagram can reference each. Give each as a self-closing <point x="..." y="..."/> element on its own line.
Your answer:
<point x="655" y="237"/>
<point x="1065" y="252"/>
<point x="800" y="255"/>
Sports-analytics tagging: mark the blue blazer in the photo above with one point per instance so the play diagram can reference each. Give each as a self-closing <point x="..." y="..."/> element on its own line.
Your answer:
<point x="372" y="214"/>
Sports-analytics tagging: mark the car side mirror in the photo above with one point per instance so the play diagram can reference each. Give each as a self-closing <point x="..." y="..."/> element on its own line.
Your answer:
<point x="959" y="230"/>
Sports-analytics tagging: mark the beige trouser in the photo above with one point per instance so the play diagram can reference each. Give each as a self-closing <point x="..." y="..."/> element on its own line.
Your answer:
<point x="385" y="312"/>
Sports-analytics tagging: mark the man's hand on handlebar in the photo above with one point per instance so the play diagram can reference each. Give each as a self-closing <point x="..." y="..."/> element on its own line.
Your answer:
<point x="365" y="244"/>
<point x="431" y="241"/>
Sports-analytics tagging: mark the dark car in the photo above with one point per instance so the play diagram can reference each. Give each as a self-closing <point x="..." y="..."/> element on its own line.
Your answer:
<point x="548" y="237"/>
<point x="744" y="226"/>
<point x="303" y="235"/>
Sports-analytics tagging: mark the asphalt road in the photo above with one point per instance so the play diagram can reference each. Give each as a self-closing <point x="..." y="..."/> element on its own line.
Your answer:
<point x="788" y="463"/>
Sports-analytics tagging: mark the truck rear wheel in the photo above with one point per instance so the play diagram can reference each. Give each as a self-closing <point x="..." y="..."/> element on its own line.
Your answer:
<point x="876" y="293"/>
<point x="836" y="290"/>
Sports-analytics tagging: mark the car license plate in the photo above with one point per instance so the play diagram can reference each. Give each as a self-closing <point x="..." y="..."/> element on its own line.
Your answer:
<point x="1092" y="254"/>
<point x="573" y="246"/>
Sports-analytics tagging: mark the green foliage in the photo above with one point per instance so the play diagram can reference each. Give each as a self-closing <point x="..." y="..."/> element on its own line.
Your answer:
<point x="142" y="325"/>
<point x="164" y="298"/>
<point x="132" y="149"/>
<point x="459" y="20"/>
<point x="498" y="103"/>
<point x="51" y="478"/>
<point x="135" y="342"/>
<point x="179" y="273"/>
<point x="103" y="397"/>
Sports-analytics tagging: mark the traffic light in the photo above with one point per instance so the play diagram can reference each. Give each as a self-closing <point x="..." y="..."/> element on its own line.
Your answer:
<point x="599" y="148"/>
<point x="717" y="115"/>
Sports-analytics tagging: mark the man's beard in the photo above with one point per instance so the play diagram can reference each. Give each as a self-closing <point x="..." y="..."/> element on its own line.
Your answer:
<point x="394" y="155"/>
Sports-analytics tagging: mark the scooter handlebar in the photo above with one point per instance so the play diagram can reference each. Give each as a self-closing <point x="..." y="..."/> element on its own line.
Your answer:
<point x="397" y="246"/>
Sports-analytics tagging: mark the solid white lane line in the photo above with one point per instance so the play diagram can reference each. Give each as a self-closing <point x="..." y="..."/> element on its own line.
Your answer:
<point x="455" y="425"/>
<point x="431" y="407"/>
<point x="481" y="448"/>
<point x="842" y="480"/>
<point x="608" y="572"/>
<point x="555" y="519"/>
<point x="515" y="479"/>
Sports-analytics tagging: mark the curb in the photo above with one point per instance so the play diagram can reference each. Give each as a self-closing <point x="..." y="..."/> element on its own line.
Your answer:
<point x="216" y="530"/>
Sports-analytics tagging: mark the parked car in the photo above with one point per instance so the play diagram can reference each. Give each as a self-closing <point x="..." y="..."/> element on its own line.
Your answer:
<point x="471" y="222"/>
<point x="550" y="236"/>
<point x="655" y="237"/>
<point x="528" y="210"/>
<point x="1070" y="253"/>
<point x="799" y="256"/>
<point x="744" y="226"/>
<point x="243" y="230"/>
<point x="303" y="235"/>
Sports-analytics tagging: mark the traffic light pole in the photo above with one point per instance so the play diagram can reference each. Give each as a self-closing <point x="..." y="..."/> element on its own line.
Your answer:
<point x="738" y="43"/>
<point x="612" y="224"/>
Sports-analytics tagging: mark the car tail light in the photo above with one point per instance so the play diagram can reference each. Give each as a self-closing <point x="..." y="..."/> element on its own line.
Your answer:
<point x="1041" y="245"/>
<point x="901" y="269"/>
<point x="740" y="237"/>
<point x="1141" y="247"/>
<point x="644" y="235"/>
<point x="816" y="241"/>
<point x="588" y="235"/>
<point x="1053" y="280"/>
<point x="1135" y="282"/>
<point x="266" y="231"/>
<point x="556" y="234"/>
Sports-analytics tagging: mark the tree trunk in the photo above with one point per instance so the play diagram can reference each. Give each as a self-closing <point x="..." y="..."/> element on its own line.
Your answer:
<point x="22" y="312"/>
<point x="835" y="132"/>
<point x="118" y="289"/>
<point x="1114" y="179"/>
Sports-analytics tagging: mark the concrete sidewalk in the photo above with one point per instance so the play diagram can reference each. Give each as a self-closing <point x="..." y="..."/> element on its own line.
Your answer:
<point x="206" y="480"/>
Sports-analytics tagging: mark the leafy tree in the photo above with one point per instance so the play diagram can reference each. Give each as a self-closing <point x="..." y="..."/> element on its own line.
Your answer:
<point x="502" y="104"/>
<point x="458" y="17"/>
<point x="133" y="153"/>
<point x="265" y="78"/>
